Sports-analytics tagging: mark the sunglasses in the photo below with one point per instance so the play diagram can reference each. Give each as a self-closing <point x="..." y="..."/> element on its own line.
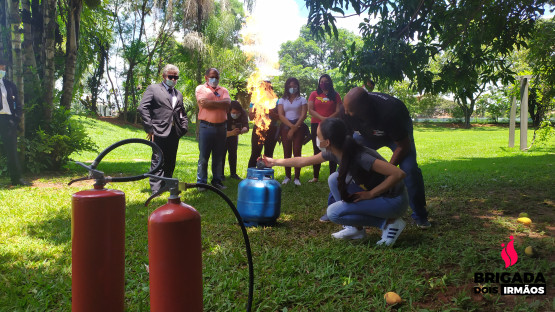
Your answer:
<point x="172" y="77"/>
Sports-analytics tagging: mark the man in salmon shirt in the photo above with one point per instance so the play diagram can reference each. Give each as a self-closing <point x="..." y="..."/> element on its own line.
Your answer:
<point x="213" y="102"/>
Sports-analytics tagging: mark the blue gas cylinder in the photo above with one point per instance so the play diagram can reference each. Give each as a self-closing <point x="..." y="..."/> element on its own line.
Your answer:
<point x="259" y="197"/>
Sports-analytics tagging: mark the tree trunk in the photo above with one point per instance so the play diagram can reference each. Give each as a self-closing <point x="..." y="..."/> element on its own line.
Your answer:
<point x="49" y="27"/>
<point x="72" y="43"/>
<point x="4" y="38"/>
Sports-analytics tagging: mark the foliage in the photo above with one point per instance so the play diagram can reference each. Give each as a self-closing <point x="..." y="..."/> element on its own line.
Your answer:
<point x="402" y="37"/>
<point x="473" y="200"/>
<point x="544" y="133"/>
<point x="419" y="105"/>
<point x="307" y="58"/>
<point x="50" y="149"/>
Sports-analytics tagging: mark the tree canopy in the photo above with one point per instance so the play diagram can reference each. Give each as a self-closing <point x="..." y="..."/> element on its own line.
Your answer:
<point x="401" y="38"/>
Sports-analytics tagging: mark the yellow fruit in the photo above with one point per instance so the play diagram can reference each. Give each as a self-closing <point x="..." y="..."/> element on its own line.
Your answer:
<point x="523" y="215"/>
<point x="524" y="220"/>
<point x="529" y="251"/>
<point x="392" y="298"/>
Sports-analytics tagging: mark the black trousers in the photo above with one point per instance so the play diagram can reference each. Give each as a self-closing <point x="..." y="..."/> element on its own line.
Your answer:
<point x="269" y="144"/>
<point x="8" y="132"/>
<point x="231" y="145"/>
<point x="169" y="147"/>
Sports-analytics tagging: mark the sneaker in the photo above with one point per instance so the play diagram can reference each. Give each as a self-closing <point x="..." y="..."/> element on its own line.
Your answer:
<point x="392" y="232"/>
<point x="219" y="186"/>
<point x="313" y="180"/>
<point x="423" y="224"/>
<point x="235" y="176"/>
<point x="350" y="232"/>
<point x="324" y="218"/>
<point x="297" y="182"/>
<point x="285" y="181"/>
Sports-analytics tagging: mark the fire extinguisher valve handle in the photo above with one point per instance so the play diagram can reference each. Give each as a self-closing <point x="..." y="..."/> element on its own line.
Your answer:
<point x="171" y="185"/>
<point x="93" y="175"/>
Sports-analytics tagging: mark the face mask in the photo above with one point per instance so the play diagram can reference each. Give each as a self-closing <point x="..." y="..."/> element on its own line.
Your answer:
<point x="292" y="91"/>
<point x="324" y="85"/>
<point x="2" y="74"/>
<point x="213" y="82"/>
<point x="234" y="116"/>
<point x="323" y="149"/>
<point x="170" y="83"/>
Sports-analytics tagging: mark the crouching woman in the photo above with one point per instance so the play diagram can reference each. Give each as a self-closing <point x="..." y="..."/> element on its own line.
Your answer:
<point x="369" y="191"/>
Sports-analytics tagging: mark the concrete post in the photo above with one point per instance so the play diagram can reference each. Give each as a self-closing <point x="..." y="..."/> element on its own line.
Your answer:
<point x="512" y="123"/>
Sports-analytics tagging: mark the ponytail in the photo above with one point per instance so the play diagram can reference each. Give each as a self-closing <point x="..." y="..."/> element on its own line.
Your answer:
<point x="350" y="149"/>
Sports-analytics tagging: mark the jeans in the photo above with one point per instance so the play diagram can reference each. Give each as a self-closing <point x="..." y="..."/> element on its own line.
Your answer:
<point x="211" y="141"/>
<point x="413" y="180"/>
<point x="370" y="212"/>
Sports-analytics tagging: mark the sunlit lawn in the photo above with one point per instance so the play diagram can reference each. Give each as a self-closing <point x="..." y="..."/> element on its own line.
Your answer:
<point x="476" y="187"/>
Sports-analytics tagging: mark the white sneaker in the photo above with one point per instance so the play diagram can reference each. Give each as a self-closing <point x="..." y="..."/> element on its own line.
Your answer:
<point x="392" y="232"/>
<point x="297" y="182"/>
<point x="350" y="232"/>
<point x="285" y="181"/>
<point x="384" y="236"/>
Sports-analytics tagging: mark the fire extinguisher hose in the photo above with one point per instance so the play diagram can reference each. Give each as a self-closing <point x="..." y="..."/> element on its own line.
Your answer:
<point x="243" y="230"/>
<point x="156" y="149"/>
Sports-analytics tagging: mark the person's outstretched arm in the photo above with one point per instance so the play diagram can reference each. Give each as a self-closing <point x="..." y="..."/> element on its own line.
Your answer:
<point x="295" y="161"/>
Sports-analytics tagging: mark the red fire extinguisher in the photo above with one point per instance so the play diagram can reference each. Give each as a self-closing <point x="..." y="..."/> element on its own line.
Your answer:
<point x="174" y="254"/>
<point x="98" y="239"/>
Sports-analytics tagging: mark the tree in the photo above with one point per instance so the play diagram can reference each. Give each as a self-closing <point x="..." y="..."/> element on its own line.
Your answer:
<point x="308" y="57"/>
<point x="476" y="34"/>
<point x="542" y="62"/>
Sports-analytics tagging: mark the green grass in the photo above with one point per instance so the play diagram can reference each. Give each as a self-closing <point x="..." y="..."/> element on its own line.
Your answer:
<point x="475" y="186"/>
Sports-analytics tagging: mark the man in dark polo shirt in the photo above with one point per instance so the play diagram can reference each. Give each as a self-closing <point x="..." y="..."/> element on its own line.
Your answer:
<point x="383" y="120"/>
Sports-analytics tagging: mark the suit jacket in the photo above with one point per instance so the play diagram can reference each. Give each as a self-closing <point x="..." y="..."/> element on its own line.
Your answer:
<point x="158" y="114"/>
<point x="13" y="99"/>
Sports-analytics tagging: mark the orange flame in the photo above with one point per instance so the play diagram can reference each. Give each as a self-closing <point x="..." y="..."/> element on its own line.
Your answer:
<point x="264" y="99"/>
<point x="262" y="94"/>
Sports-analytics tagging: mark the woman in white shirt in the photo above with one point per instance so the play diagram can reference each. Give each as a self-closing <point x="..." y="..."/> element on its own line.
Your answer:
<point x="292" y="110"/>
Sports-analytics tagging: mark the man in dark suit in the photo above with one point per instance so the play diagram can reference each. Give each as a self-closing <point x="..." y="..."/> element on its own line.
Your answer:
<point x="164" y="120"/>
<point x="10" y="116"/>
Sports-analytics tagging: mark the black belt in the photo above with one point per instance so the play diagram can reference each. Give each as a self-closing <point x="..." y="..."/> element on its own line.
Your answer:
<point x="213" y="124"/>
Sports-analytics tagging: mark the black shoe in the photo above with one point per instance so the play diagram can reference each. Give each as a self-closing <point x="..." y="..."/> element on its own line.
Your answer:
<point x="21" y="182"/>
<point x="219" y="186"/>
<point x="235" y="176"/>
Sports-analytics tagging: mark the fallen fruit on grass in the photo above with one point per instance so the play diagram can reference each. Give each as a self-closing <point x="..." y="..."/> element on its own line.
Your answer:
<point x="529" y="251"/>
<point x="392" y="298"/>
<point x="523" y="215"/>
<point x="524" y="220"/>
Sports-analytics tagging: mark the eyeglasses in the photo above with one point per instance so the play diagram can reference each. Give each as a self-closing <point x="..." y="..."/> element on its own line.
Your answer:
<point x="172" y="77"/>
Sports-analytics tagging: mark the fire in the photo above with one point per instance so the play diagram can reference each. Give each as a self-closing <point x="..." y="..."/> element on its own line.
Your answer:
<point x="264" y="99"/>
<point x="262" y="94"/>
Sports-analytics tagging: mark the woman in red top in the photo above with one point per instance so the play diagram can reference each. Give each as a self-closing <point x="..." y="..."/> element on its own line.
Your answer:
<point x="322" y="104"/>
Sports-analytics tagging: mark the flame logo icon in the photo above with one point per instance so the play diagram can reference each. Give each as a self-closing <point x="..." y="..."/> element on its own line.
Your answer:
<point x="509" y="254"/>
